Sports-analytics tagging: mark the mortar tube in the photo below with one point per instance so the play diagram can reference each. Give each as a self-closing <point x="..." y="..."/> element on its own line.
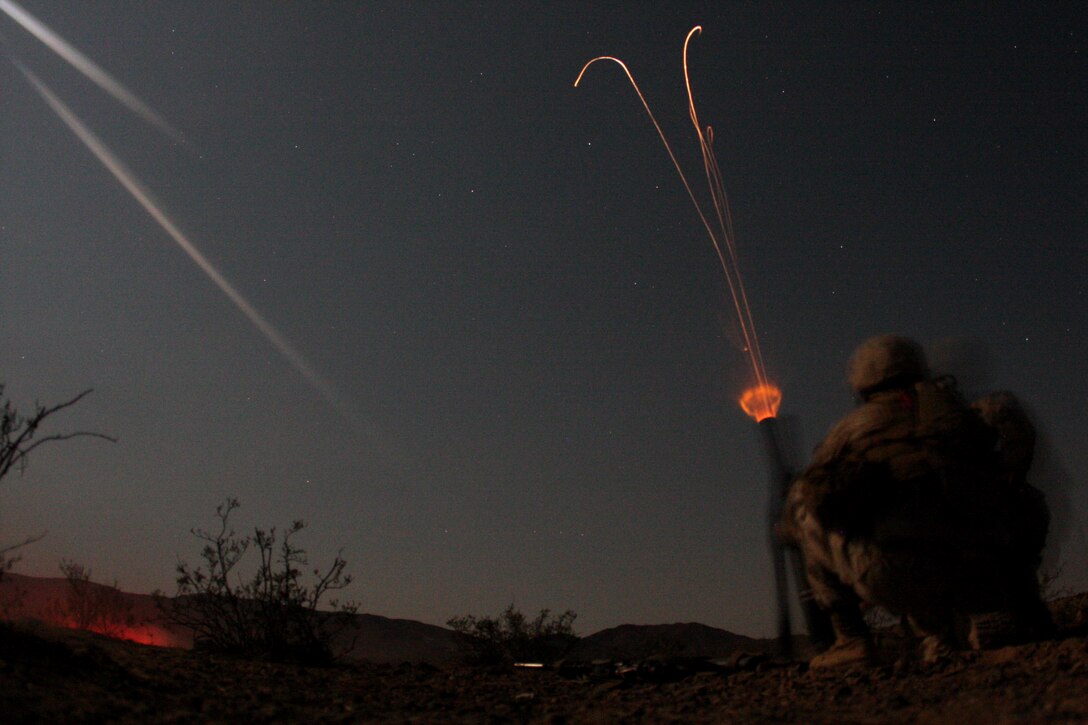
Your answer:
<point x="779" y="482"/>
<point x="786" y="556"/>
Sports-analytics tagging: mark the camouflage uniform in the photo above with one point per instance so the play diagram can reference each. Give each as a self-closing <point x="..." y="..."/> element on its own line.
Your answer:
<point x="1030" y="521"/>
<point x="894" y="509"/>
<point x="1026" y="519"/>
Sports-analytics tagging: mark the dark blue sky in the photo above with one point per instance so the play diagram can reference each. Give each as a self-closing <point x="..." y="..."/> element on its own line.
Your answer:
<point x="504" y="280"/>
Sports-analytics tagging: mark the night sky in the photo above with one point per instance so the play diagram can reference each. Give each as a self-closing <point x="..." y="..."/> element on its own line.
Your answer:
<point x="525" y="333"/>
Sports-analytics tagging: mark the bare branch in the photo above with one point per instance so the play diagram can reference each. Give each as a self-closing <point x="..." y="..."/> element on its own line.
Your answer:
<point x="5" y="562"/>
<point x="17" y="432"/>
<point x="68" y="436"/>
<point x="25" y="542"/>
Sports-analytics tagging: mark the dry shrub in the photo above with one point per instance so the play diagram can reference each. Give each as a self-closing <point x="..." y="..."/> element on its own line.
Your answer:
<point x="511" y="637"/>
<point x="271" y="615"/>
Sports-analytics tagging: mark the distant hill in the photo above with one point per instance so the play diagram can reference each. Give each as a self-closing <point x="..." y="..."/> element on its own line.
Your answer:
<point x="377" y="639"/>
<point x="637" y="642"/>
<point x="381" y="639"/>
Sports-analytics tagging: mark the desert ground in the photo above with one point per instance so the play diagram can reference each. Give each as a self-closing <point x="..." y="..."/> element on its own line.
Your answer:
<point x="53" y="674"/>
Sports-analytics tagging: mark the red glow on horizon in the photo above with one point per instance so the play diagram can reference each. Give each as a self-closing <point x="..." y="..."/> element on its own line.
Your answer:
<point x="148" y="634"/>
<point x="761" y="401"/>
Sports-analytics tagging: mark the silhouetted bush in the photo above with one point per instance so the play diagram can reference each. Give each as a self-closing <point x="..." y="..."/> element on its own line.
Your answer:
<point x="273" y="614"/>
<point x="511" y="637"/>
<point x="94" y="607"/>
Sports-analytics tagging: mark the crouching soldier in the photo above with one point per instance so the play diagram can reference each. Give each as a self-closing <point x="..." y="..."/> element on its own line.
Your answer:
<point x="899" y="508"/>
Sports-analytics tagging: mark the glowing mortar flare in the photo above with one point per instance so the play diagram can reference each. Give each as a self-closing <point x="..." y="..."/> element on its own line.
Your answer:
<point x="761" y="401"/>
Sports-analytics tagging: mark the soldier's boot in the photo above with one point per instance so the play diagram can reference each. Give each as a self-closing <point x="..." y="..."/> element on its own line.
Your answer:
<point x="941" y="632"/>
<point x="990" y="630"/>
<point x="853" y="643"/>
<point x="1012" y="611"/>
<point x="935" y="648"/>
<point x="1033" y="618"/>
<point x="1027" y="619"/>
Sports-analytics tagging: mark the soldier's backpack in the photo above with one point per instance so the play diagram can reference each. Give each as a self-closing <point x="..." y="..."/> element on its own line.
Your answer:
<point x="933" y="453"/>
<point x="941" y="436"/>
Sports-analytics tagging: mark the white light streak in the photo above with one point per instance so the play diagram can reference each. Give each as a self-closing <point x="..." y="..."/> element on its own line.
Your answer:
<point x="143" y="196"/>
<point x="89" y="68"/>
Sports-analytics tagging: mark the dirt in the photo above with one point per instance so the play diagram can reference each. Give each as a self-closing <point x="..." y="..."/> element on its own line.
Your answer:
<point x="55" y="675"/>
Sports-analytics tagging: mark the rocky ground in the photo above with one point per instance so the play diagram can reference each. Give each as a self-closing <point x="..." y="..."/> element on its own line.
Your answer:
<point x="55" y="675"/>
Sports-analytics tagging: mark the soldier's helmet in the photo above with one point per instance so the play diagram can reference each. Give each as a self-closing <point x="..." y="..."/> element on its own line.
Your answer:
<point x="886" y="361"/>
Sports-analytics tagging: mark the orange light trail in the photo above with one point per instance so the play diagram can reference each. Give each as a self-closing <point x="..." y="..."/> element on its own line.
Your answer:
<point x="762" y="399"/>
